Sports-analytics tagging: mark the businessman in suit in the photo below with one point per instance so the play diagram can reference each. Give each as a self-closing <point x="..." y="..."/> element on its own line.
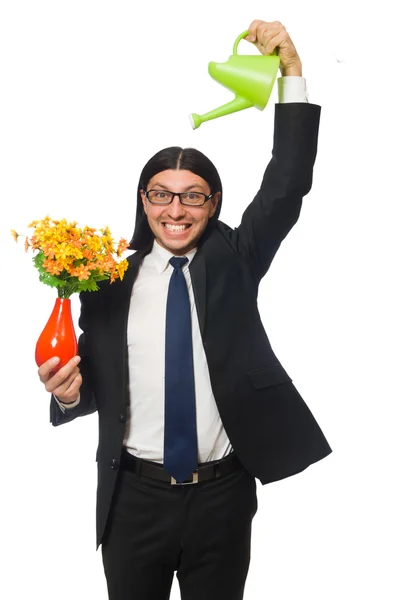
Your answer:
<point x="193" y="403"/>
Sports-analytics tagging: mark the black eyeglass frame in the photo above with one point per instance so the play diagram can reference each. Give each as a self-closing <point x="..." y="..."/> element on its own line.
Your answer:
<point x="179" y="194"/>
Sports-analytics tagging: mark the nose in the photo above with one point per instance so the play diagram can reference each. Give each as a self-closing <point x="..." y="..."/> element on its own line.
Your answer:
<point x="176" y="209"/>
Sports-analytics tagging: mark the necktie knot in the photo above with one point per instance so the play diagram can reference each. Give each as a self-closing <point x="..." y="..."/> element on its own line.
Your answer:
<point x="178" y="262"/>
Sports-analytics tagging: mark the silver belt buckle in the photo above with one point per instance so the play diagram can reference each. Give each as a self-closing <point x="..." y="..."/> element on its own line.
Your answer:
<point x="195" y="480"/>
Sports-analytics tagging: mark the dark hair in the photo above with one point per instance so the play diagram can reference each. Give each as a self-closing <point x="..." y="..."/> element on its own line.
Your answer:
<point x="173" y="158"/>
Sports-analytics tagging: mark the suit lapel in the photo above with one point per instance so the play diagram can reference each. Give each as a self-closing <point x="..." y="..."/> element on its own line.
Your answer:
<point x="199" y="280"/>
<point x="119" y="307"/>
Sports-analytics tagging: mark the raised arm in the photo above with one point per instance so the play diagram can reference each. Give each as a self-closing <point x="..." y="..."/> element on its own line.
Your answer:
<point x="288" y="177"/>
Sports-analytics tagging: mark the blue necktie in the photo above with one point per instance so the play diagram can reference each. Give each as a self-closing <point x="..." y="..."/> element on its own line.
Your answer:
<point x="180" y="430"/>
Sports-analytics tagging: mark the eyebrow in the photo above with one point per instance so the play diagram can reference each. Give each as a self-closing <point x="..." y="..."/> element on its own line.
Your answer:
<point x="190" y="187"/>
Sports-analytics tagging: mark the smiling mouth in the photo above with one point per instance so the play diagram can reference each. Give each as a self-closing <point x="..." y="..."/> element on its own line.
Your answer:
<point x="176" y="228"/>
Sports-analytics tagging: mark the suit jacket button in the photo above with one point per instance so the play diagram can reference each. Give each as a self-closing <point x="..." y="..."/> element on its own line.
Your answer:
<point x="114" y="464"/>
<point x="122" y="418"/>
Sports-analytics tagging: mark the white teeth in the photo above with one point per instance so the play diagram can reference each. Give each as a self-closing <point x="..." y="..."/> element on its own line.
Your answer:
<point x="175" y="227"/>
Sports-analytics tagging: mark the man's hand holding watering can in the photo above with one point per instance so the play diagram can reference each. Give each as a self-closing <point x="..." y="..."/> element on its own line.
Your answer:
<point x="251" y="78"/>
<point x="269" y="36"/>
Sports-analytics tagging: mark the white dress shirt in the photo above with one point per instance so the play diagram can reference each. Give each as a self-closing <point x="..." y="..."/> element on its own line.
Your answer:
<point x="144" y="434"/>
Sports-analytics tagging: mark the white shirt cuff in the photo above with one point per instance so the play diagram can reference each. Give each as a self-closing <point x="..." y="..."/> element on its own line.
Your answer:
<point x="292" y="88"/>
<point x="64" y="406"/>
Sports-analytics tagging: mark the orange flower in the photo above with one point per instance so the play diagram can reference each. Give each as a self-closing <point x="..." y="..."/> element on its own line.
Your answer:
<point x="113" y="275"/>
<point x="122" y="246"/>
<point x="52" y="266"/>
<point x="82" y="272"/>
<point x="87" y="253"/>
<point x="48" y="249"/>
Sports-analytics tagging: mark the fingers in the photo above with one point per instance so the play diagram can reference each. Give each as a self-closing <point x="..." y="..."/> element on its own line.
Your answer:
<point x="61" y="387"/>
<point x="65" y="384"/>
<point x="266" y="35"/>
<point x="69" y="390"/>
<point x="44" y="370"/>
<point x="270" y="46"/>
<point x="54" y="380"/>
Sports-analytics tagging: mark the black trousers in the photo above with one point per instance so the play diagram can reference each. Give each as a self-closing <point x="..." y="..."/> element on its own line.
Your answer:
<point x="200" y="531"/>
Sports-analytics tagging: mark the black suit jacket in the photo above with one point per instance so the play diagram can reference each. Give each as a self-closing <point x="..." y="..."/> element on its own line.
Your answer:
<point x="271" y="429"/>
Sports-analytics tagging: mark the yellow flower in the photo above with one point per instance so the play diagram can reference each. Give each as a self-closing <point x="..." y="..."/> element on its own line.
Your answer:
<point x="107" y="242"/>
<point x="122" y="267"/>
<point x="66" y="263"/>
<point x="14" y="234"/>
<point x="62" y="251"/>
<point x="89" y="230"/>
<point x="94" y="243"/>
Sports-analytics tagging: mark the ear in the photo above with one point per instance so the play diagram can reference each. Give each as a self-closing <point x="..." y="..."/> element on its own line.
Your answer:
<point x="144" y="200"/>
<point x="214" y="203"/>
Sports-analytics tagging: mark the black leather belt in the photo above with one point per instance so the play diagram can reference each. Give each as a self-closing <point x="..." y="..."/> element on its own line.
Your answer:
<point x="204" y="472"/>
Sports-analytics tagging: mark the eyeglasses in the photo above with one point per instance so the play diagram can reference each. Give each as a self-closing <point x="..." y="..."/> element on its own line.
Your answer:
<point x="187" y="198"/>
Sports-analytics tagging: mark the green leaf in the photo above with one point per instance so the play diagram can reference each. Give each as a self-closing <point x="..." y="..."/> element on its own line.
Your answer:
<point x="88" y="286"/>
<point x="44" y="276"/>
<point x="38" y="260"/>
<point x="52" y="280"/>
<point x="100" y="277"/>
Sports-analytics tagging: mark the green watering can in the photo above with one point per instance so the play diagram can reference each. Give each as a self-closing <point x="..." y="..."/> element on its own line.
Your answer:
<point x="250" y="77"/>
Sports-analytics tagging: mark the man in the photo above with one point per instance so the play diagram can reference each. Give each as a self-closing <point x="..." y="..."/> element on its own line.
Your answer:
<point x="193" y="404"/>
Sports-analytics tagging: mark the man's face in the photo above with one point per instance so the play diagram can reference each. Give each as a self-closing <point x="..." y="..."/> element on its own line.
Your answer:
<point x="178" y="227"/>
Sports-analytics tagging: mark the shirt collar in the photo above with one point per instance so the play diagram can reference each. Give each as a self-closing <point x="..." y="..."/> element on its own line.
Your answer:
<point x="161" y="256"/>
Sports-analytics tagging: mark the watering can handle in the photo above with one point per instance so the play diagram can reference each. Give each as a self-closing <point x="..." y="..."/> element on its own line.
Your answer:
<point x="240" y="37"/>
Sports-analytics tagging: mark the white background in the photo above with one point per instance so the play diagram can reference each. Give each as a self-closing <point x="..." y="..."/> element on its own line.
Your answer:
<point x="90" y="90"/>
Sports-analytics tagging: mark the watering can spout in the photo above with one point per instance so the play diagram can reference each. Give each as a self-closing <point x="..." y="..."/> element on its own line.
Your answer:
<point x="250" y="78"/>
<point x="239" y="103"/>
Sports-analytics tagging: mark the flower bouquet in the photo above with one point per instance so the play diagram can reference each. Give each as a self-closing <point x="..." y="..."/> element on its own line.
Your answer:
<point x="72" y="260"/>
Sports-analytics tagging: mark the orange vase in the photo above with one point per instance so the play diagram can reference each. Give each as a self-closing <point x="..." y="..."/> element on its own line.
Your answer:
<point x="58" y="337"/>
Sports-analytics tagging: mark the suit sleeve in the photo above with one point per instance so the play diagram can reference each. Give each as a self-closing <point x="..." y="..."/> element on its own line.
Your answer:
<point x="287" y="179"/>
<point x="87" y="404"/>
